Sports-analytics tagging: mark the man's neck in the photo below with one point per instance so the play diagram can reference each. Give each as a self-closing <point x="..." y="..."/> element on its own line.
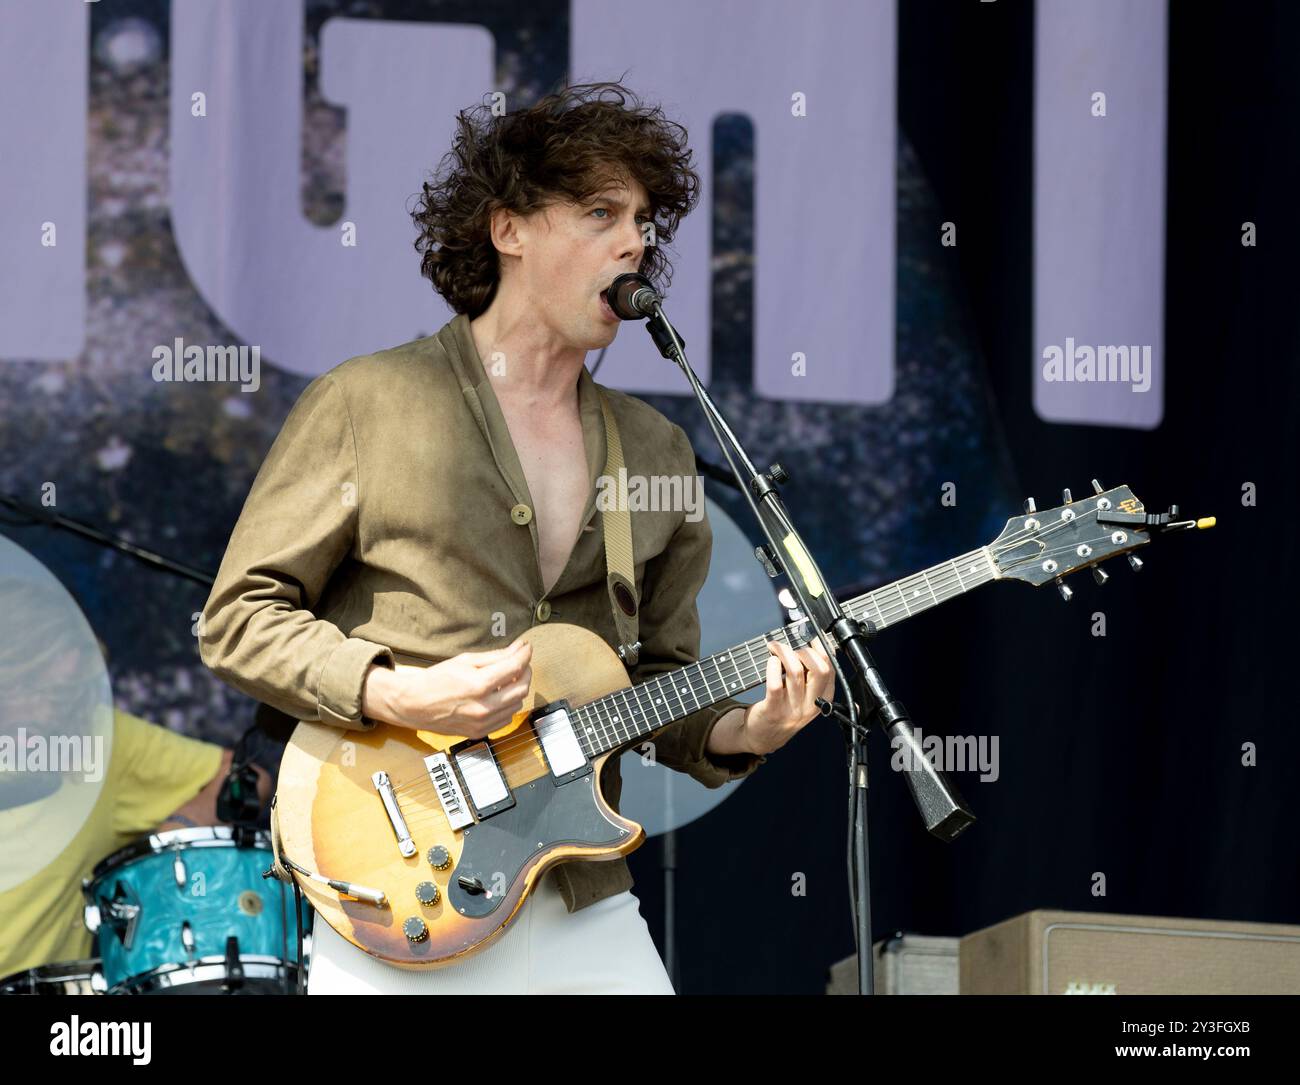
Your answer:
<point x="526" y="361"/>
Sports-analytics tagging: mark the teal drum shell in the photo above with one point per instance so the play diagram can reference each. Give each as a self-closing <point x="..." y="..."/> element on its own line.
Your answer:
<point x="189" y="912"/>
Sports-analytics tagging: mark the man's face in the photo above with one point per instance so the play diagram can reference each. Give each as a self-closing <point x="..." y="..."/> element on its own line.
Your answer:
<point x="570" y="253"/>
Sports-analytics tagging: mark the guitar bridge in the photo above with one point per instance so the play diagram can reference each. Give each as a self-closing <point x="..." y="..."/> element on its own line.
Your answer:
<point x="445" y="783"/>
<point x="472" y="787"/>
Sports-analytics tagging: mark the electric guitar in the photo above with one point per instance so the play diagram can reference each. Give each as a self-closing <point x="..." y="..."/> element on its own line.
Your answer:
<point x="421" y="848"/>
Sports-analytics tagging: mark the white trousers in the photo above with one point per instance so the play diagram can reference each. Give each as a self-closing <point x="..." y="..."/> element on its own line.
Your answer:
<point x="604" y="948"/>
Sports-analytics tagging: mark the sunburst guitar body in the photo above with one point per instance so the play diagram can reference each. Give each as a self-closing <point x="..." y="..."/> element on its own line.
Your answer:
<point x="480" y="821"/>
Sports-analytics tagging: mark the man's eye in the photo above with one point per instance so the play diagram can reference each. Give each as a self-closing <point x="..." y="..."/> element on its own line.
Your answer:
<point x="605" y="209"/>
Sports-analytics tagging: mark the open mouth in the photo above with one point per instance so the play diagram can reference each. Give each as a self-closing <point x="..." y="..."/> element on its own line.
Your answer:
<point x="604" y="305"/>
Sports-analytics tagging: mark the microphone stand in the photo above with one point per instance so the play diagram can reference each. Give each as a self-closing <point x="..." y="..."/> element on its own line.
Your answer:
<point x="942" y="808"/>
<point x="38" y="514"/>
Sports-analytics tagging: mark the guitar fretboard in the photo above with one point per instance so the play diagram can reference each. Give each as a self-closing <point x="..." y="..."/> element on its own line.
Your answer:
<point x="629" y="714"/>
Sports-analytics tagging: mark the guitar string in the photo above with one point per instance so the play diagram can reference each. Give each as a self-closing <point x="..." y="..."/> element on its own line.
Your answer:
<point x="513" y="749"/>
<point x="948" y="583"/>
<point x="505" y="749"/>
<point x="604" y="730"/>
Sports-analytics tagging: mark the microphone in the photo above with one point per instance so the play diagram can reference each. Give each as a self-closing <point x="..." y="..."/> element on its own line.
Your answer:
<point x="632" y="297"/>
<point x="238" y="801"/>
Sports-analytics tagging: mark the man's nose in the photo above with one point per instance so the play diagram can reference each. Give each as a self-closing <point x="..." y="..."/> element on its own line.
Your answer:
<point x="633" y="243"/>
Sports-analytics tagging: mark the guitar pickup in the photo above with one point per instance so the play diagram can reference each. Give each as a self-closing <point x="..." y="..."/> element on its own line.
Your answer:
<point x="472" y="787"/>
<point x="563" y="751"/>
<point x="484" y="780"/>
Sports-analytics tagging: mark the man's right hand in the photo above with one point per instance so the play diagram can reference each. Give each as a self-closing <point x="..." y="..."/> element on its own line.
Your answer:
<point x="472" y="694"/>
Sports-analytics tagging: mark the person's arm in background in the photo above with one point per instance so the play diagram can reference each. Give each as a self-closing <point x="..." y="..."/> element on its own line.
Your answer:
<point x="298" y="523"/>
<point x="202" y="809"/>
<point x="159" y="774"/>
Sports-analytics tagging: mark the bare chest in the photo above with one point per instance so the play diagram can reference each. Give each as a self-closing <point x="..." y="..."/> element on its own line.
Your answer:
<point x="554" y="461"/>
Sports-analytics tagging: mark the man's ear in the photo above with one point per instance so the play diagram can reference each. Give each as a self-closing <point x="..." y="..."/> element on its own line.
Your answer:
<point x="507" y="229"/>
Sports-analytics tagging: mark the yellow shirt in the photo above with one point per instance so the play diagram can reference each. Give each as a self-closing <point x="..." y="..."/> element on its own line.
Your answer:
<point x="151" y="772"/>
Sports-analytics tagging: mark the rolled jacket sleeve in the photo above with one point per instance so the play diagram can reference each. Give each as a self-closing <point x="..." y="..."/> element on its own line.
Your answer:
<point x="299" y="522"/>
<point x="670" y="638"/>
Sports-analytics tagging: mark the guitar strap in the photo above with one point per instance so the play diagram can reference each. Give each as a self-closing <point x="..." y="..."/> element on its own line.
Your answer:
<point x="620" y="575"/>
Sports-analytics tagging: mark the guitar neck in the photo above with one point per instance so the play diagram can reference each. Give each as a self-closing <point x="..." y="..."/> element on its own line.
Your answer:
<point x="629" y="714"/>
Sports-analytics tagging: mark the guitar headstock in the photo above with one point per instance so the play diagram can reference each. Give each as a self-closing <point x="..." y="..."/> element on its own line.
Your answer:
<point x="1045" y="545"/>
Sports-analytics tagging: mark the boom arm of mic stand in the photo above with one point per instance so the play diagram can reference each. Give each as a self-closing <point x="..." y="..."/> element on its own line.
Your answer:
<point x="42" y="515"/>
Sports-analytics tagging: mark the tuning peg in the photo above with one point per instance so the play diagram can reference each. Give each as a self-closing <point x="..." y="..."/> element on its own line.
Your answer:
<point x="1099" y="574"/>
<point x="1065" y="496"/>
<point x="1135" y="562"/>
<point x="1065" y="591"/>
<point x="1029" y="505"/>
<point x="1097" y="487"/>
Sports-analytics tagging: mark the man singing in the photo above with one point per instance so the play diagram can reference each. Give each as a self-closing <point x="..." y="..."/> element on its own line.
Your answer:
<point x="431" y="499"/>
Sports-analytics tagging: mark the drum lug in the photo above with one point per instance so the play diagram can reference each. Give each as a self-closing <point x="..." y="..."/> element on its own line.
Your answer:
<point x="90" y="916"/>
<point x="187" y="940"/>
<point x="122" y="916"/>
<point x="234" y="965"/>
<point x="178" y="871"/>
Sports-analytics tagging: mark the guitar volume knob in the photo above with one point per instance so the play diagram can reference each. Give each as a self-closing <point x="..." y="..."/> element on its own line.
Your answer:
<point x="415" y="929"/>
<point x="439" y="857"/>
<point x="426" y="893"/>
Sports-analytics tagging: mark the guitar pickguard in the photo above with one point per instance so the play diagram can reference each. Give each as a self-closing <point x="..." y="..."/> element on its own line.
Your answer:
<point x="545" y="814"/>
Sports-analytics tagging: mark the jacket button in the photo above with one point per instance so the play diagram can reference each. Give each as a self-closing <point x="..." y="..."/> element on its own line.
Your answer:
<point x="521" y="514"/>
<point x="543" y="610"/>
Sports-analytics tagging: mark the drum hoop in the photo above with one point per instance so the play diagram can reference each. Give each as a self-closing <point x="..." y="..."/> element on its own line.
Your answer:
<point x="199" y="836"/>
<point x="255" y="966"/>
<point x="87" y="968"/>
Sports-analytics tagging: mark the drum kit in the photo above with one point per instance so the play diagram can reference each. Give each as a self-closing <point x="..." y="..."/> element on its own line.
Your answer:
<point x="184" y="912"/>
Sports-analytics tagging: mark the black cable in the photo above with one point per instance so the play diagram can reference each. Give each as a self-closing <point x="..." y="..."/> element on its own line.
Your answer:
<point x="284" y="928"/>
<point x="297" y="911"/>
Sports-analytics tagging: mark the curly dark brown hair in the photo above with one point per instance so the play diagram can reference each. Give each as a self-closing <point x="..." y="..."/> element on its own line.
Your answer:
<point x="569" y="146"/>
